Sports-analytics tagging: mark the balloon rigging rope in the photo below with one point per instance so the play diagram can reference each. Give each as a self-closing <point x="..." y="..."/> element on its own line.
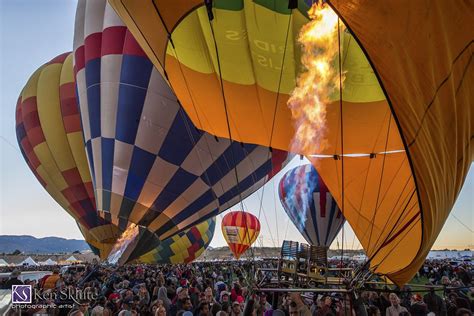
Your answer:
<point x="380" y="185"/>
<point x="460" y="222"/>
<point x="193" y="103"/>
<point x="287" y="226"/>
<point x="244" y="217"/>
<point x="274" y="120"/>
<point x="396" y="203"/>
<point x="396" y="245"/>
<point x="272" y="129"/>
<point x="198" y="117"/>
<point x="367" y="176"/>
<point x="342" y="130"/>
<point x="369" y="259"/>
<point x="275" y="210"/>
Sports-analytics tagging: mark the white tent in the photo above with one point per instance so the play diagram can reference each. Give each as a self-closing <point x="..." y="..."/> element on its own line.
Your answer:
<point x="28" y="262"/>
<point x="3" y="263"/>
<point x="49" y="262"/>
<point x="72" y="259"/>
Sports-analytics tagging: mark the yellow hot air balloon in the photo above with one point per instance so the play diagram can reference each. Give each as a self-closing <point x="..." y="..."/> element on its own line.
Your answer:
<point x="405" y="145"/>
<point x="49" y="134"/>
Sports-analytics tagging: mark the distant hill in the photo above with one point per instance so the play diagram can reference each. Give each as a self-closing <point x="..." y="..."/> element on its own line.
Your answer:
<point x="30" y="244"/>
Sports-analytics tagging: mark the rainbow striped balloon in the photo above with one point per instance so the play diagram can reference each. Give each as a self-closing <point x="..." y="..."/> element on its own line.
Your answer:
<point x="240" y="230"/>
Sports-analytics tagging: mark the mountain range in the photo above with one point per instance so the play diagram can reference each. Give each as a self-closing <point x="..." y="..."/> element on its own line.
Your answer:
<point x="30" y="244"/>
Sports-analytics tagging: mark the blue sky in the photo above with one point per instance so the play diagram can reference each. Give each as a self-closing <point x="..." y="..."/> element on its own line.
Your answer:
<point x="33" y="32"/>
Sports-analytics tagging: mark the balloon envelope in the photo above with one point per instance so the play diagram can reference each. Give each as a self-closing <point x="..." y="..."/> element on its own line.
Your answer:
<point x="49" y="134"/>
<point x="310" y="205"/>
<point x="240" y="230"/>
<point x="150" y="164"/>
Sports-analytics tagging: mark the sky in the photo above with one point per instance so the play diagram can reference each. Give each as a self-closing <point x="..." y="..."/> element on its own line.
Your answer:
<point x="32" y="33"/>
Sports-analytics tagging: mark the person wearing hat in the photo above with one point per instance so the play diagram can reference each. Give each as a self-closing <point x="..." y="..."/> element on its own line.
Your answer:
<point x="13" y="280"/>
<point x="224" y="297"/>
<point x="236" y="309"/>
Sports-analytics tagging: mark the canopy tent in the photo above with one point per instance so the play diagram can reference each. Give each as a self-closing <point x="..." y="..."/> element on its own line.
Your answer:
<point x="3" y="263"/>
<point x="405" y="117"/>
<point x="28" y="262"/>
<point x="49" y="262"/>
<point x="72" y="259"/>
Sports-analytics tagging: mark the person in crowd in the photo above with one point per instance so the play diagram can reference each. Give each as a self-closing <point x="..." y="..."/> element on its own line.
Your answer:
<point x="418" y="307"/>
<point x="434" y="302"/>
<point x="13" y="280"/>
<point x="395" y="308"/>
<point x="264" y="303"/>
<point x="463" y="312"/>
<point x="236" y="291"/>
<point x="203" y="309"/>
<point x="161" y="311"/>
<point x="236" y="309"/>
<point x="326" y="308"/>
<point x="250" y="308"/>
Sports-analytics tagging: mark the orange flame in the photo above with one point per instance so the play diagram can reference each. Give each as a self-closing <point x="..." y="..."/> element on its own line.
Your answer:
<point x="122" y="243"/>
<point x="308" y="101"/>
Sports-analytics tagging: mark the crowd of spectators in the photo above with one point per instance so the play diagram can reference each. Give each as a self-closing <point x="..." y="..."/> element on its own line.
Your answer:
<point x="228" y="289"/>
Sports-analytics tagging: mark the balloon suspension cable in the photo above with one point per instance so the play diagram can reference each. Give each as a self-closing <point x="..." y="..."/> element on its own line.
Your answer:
<point x="380" y="186"/>
<point x="273" y="128"/>
<point x="342" y="131"/>
<point x="211" y="17"/>
<point x="377" y="201"/>
<point x="188" y="128"/>
<point x="369" y="260"/>
<point x="276" y="108"/>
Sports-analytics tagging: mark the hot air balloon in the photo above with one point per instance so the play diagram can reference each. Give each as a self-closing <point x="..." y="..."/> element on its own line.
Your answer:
<point x="240" y="230"/>
<point x="183" y="247"/>
<point x="48" y="130"/>
<point x="310" y="205"/>
<point x="399" y="135"/>
<point x="150" y="164"/>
